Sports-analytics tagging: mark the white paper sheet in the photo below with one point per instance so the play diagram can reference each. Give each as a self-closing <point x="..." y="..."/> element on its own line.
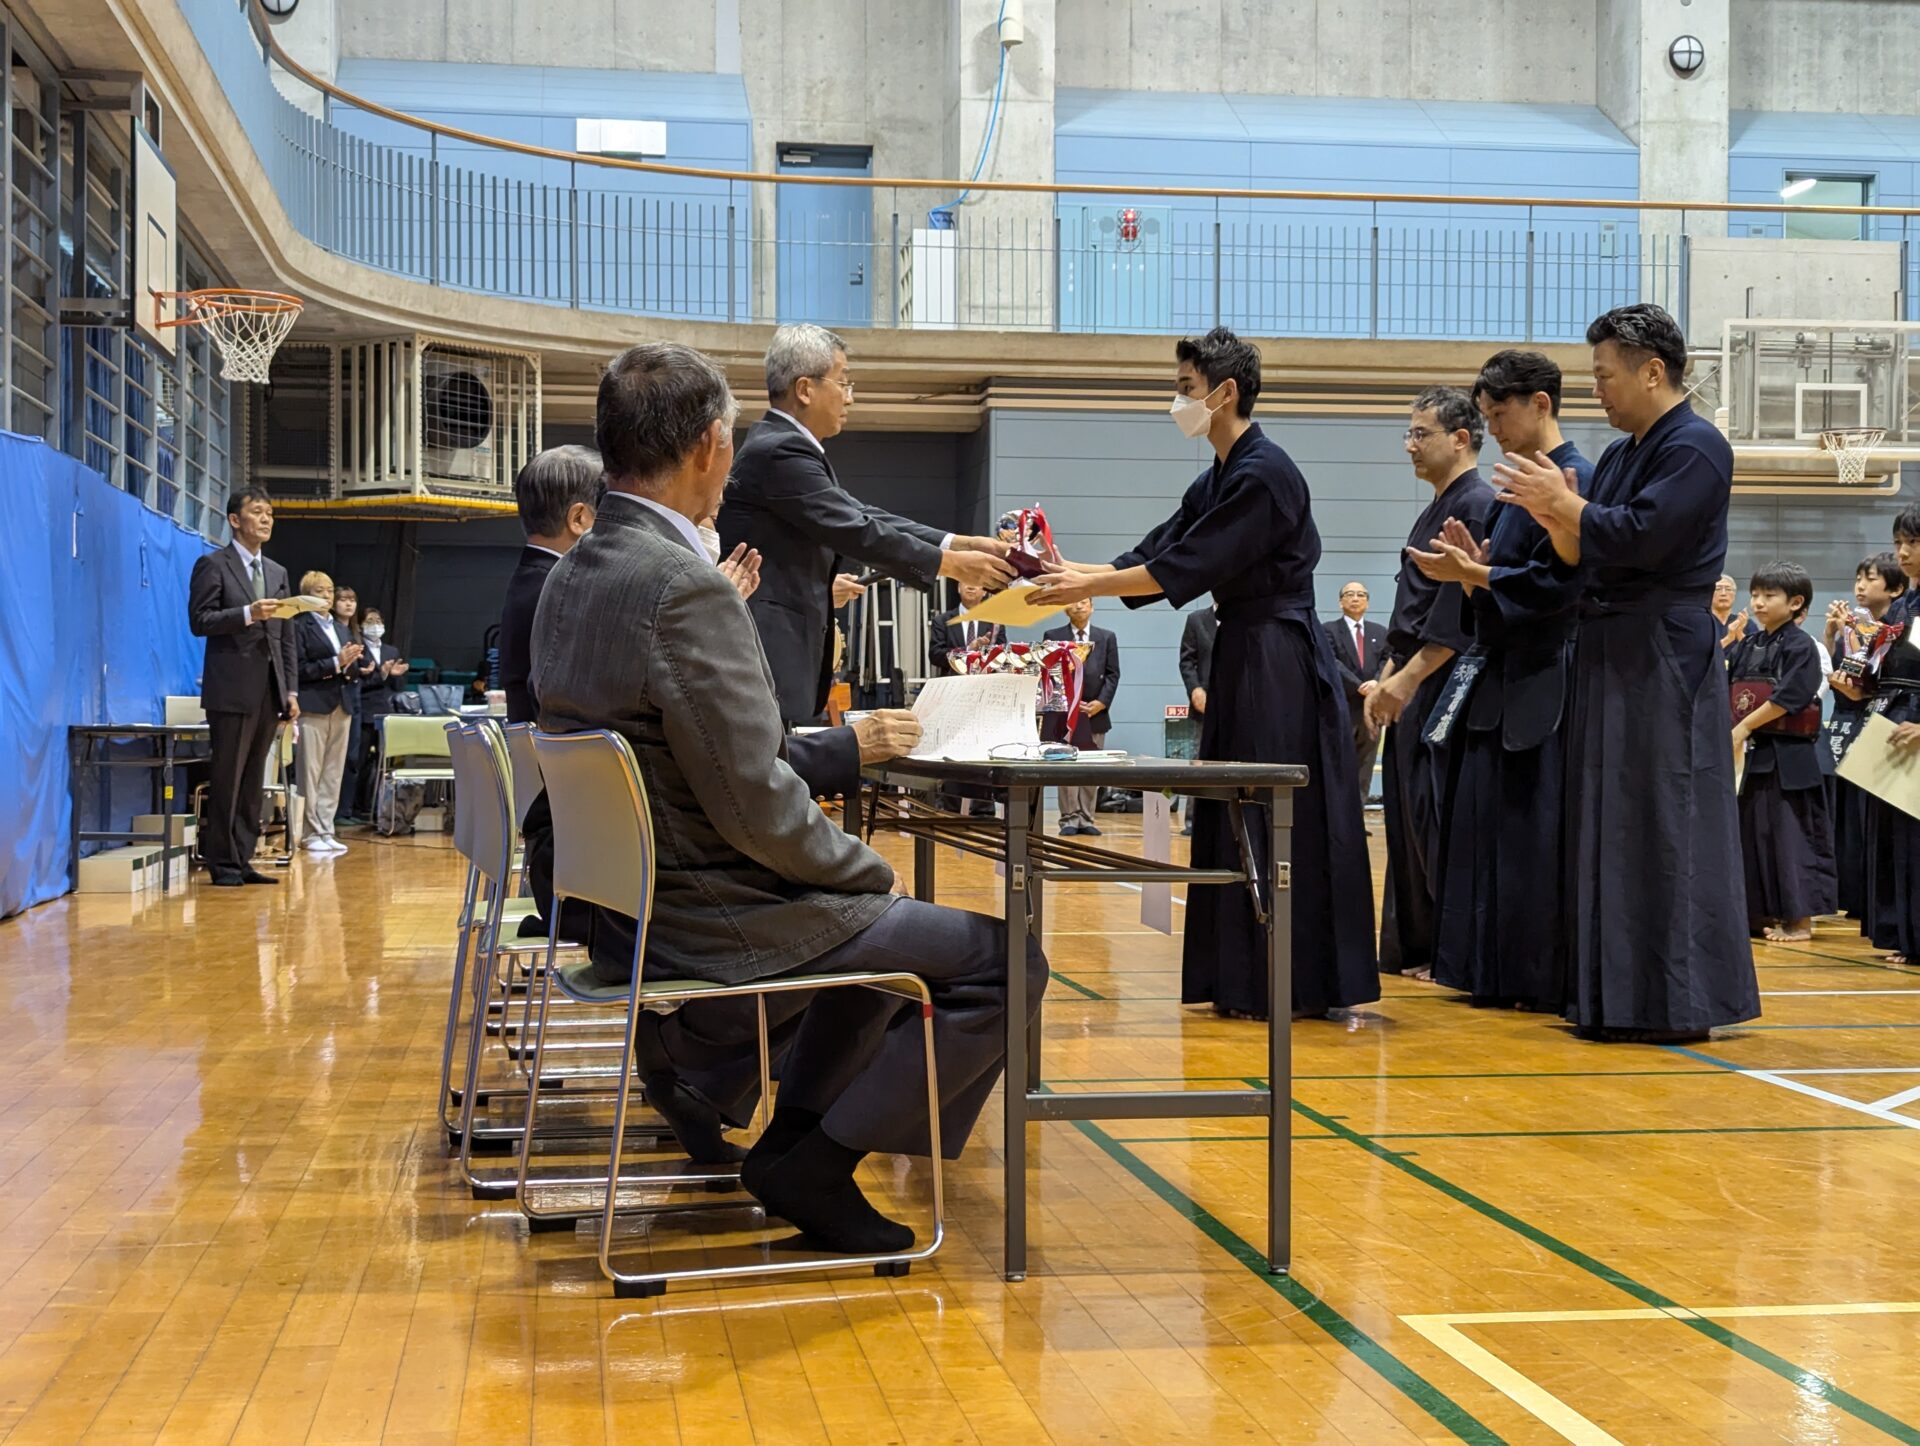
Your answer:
<point x="963" y="718"/>
<point x="292" y="607"/>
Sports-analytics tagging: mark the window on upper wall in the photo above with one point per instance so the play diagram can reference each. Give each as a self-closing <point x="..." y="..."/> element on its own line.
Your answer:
<point x="1812" y="188"/>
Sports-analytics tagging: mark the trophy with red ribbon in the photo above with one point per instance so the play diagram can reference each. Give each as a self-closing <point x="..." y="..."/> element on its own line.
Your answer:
<point x="1025" y="530"/>
<point x="1868" y="643"/>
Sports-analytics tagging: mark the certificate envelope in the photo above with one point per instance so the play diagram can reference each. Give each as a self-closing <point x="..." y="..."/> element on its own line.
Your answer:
<point x="1872" y="765"/>
<point x="1009" y="608"/>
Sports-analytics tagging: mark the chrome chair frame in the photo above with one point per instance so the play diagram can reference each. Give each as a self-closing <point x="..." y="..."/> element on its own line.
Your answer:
<point x="589" y="777"/>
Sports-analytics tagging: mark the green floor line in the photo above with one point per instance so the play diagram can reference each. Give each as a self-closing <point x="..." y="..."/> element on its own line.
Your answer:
<point x="1391" y="1368"/>
<point x="1703" y="1073"/>
<point x="1824" y="1026"/>
<point x="1799" y="1377"/>
<point x="1522" y="1134"/>
<point x="1076" y="985"/>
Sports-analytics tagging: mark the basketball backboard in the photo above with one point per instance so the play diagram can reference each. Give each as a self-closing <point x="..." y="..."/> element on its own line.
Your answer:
<point x="1784" y="382"/>
<point x="156" y="266"/>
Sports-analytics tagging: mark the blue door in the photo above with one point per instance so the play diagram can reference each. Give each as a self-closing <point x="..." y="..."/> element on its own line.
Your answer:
<point x="824" y="238"/>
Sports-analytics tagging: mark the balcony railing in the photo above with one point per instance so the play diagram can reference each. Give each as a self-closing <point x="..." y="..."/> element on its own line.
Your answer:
<point x="547" y="226"/>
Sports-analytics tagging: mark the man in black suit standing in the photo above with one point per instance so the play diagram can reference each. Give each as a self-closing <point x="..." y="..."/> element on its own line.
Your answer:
<point x="1359" y="648"/>
<point x="248" y="682"/>
<point x="557" y="493"/>
<point x="1100" y="680"/>
<point x="785" y="502"/>
<point x="1196" y="668"/>
<point x="950" y="640"/>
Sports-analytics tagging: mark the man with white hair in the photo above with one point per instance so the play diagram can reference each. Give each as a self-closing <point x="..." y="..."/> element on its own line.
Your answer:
<point x="785" y="502"/>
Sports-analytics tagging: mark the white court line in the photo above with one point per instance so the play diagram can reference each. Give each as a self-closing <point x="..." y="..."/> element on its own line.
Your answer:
<point x="1549" y="1409"/>
<point x="1857" y="1069"/>
<point x="1903" y="1098"/>
<point x="1827" y="993"/>
<point x="1859" y="1107"/>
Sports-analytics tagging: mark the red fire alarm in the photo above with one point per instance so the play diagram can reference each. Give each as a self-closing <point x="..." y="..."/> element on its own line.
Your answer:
<point x="1129" y="225"/>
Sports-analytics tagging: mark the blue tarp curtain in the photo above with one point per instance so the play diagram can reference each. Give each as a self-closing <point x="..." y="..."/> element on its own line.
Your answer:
<point x="93" y="629"/>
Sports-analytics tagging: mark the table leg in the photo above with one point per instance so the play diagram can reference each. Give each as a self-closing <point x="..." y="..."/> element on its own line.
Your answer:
<point x="1019" y="815"/>
<point x="1036" y="903"/>
<point x="1280" y="1034"/>
<point x="166" y="813"/>
<point x="77" y="750"/>
<point x="926" y="860"/>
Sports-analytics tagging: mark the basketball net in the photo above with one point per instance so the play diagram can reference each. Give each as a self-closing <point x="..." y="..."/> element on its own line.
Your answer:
<point x="247" y="326"/>
<point x="1851" y="447"/>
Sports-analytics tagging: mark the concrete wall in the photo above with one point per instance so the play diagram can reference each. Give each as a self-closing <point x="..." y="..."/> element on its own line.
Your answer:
<point x="615" y="34"/>
<point x="1825" y="55"/>
<point x="1437" y="50"/>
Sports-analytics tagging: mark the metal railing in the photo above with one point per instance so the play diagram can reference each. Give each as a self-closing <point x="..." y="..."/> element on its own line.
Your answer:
<point x="566" y="229"/>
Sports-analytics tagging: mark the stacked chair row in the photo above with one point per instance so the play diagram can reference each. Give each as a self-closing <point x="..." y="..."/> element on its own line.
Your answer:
<point x="538" y="1063"/>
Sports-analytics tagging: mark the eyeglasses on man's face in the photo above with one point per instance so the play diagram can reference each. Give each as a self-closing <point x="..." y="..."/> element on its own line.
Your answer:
<point x="844" y="383"/>
<point x="1419" y="435"/>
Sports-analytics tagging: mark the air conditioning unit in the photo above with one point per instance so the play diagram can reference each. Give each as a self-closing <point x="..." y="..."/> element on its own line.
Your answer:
<point x="424" y="417"/>
<point x="395" y="416"/>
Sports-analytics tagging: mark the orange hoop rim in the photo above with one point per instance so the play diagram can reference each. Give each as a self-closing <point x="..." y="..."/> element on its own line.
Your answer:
<point x="197" y="306"/>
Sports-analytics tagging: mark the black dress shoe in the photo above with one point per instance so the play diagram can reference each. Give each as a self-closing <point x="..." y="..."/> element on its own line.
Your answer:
<point x="254" y="876"/>
<point x="226" y="878"/>
<point x="1091" y="829"/>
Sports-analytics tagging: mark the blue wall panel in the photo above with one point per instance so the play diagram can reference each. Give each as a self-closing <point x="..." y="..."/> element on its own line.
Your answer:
<point x="95" y="594"/>
<point x="1356" y="269"/>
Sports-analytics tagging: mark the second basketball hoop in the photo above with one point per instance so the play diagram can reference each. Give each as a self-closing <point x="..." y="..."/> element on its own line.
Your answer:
<point x="247" y="326"/>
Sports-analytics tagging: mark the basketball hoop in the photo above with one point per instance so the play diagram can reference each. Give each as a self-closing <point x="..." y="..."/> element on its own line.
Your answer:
<point x="247" y="326"/>
<point x="1851" y="447"/>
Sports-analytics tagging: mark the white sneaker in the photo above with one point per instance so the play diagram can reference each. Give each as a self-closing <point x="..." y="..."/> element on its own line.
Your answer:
<point x="334" y="845"/>
<point x="317" y="845"/>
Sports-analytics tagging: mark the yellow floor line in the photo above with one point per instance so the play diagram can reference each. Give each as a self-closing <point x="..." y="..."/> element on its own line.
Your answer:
<point x="1549" y="1409"/>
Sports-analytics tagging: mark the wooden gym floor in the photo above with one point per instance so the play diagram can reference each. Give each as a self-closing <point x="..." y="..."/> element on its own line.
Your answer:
<point x="226" y="1214"/>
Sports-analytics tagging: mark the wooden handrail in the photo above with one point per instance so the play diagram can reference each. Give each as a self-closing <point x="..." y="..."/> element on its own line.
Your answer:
<point x="264" y="31"/>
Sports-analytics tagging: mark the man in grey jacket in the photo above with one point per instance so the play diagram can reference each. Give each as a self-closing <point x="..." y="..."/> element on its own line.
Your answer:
<point x="638" y="633"/>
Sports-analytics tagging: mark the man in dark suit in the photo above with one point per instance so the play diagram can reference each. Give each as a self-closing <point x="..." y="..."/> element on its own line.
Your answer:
<point x="1100" y="680"/>
<point x="949" y="640"/>
<point x="557" y="493"/>
<point x="638" y="632"/>
<point x="1359" y="648"/>
<point x="1196" y="668"/>
<point x="248" y="682"/>
<point x="785" y="502"/>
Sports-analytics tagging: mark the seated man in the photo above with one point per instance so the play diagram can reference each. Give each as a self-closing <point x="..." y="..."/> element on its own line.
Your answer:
<point x="638" y="632"/>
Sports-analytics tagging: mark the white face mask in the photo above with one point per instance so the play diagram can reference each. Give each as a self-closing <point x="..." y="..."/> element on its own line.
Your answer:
<point x="1191" y="415"/>
<point x="376" y="632"/>
<point x="710" y="540"/>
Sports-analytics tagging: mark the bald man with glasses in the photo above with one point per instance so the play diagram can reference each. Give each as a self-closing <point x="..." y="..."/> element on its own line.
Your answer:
<point x="1359" y="648"/>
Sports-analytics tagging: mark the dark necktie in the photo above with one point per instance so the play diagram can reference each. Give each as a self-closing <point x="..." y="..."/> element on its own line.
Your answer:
<point x="1360" y="644"/>
<point x="259" y="579"/>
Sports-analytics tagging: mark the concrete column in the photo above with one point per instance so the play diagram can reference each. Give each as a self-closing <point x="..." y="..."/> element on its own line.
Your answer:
<point x="311" y="35"/>
<point x="1678" y="122"/>
<point x="1006" y="267"/>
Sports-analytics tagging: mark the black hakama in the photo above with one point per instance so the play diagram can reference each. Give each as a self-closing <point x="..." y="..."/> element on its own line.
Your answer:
<point x="1414" y="779"/>
<point x="1786" y="840"/>
<point x="1245" y="532"/>
<point x="1847" y="808"/>
<point x="1502" y="923"/>
<point x="1892" y="871"/>
<point x="1657" y="898"/>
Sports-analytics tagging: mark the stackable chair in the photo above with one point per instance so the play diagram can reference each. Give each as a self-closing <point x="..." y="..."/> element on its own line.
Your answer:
<point x="484" y="974"/>
<point x="604" y="855"/>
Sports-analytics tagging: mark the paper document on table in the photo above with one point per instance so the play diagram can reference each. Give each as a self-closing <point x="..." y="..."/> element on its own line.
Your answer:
<point x="964" y="718"/>
<point x="292" y="607"/>
<point x="1009" y="607"/>
<point x="1872" y="765"/>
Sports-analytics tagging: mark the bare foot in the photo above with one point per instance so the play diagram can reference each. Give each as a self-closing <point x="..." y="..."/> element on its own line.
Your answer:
<point x="1425" y="976"/>
<point x="1894" y="958"/>
<point x="1795" y="933"/>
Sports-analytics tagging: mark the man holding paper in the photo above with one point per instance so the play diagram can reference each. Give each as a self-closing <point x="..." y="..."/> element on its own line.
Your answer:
<point x="638" y="632"/>
<point x="1245" y="531"/>
<point x="249" y="681"/>
<point x="786" y="503"/>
